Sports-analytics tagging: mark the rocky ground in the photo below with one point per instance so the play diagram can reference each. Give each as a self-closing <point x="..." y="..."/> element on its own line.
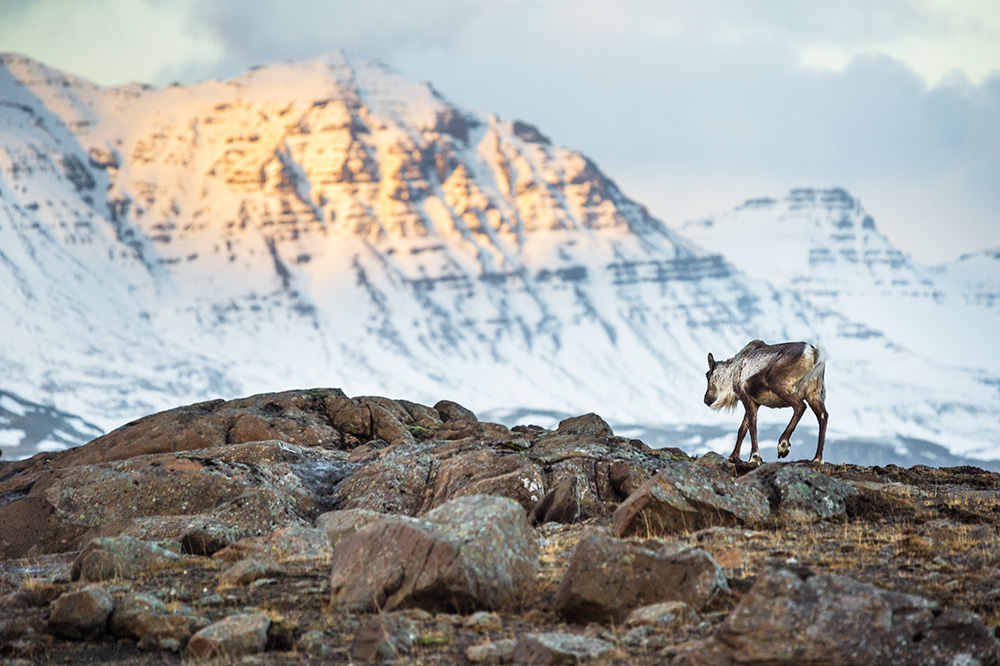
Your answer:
<point x="309" y="527"/>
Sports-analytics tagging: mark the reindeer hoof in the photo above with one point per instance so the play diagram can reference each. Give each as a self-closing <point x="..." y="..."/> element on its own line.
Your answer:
<point x="755" y="459"/>
<point x="784" y="446"/>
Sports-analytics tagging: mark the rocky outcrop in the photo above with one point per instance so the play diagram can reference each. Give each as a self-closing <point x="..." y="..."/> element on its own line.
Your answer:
<point x="684" y="497"/>
<point x="371" y="549"/>
<point x="795" y="617"/>
<point x="275" y="460"/>
<point x="798" y="492"/>
<point x="232" y="491"/>
<point x="474" y="552"/>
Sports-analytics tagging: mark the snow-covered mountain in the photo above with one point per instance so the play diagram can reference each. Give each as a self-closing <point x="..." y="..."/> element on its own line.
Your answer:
<point x="331" y="223"/>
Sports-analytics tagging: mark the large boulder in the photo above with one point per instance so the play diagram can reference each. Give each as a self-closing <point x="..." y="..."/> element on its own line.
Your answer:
<point x="685" y="497"/>
<point x="81" y="614"/>
<point x="608" y="578"/>
<point x="297" y="417"/>
<point x="798" y="493"/>
<point x="474" y="552"/>
<point x="587" y="470"/>
<point x="796" y="617"/>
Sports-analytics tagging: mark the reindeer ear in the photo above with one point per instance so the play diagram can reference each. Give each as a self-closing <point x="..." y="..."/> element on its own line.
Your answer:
<point x="711" y="361"/>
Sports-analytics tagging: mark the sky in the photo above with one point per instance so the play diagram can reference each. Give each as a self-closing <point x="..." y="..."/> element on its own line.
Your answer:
<point x="691" y="106"/>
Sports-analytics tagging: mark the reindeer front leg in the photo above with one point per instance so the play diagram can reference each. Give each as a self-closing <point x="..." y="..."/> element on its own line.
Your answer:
<point x="749" y="425"/>
<point x="751" y="418"/>
<point x="740" y="434"/>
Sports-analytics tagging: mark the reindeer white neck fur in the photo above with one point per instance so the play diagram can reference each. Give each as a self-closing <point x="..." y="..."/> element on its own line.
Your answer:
<point x="726" y="373"/>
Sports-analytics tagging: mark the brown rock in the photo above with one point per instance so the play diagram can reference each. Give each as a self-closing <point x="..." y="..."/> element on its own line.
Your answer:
<point x="452" y="411"/>
<point x="392" y="484"/>
<point x="298" y="417"/>
<point x="295" y="542"/>
<point x="663" y="615"/>
<point x="368" y="418"/>
<point x="684" y="497"/>
<point x="125" y="619"/>
<point x="474" y="552"/>
<point x="31" y="525"/>
<point x="247" y="571"/>
<point x="608" y="578"/>
<point x="588" y="424"/>
<point x="81" y="614"/>
<point x="234" y="636"/>
<point x="141" y="497"/>
<point x="486" y="472"/>
<point x="494" y="652"/>
<point x="600" y="469"/>
<point x="420" y="416"/>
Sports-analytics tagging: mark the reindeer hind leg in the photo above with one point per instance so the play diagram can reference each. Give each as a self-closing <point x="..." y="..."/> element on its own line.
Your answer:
<point x="785" y="441"/>
<point x="798" y="405"/>
<point x="818" y="407"/>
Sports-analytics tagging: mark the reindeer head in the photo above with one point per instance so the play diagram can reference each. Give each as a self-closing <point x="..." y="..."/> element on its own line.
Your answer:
<point x="719" y="393"/>
<point x="712" y="392"/>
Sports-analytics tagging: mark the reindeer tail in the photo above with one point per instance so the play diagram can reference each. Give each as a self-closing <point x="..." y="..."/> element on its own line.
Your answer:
<point x="817" y="374"/>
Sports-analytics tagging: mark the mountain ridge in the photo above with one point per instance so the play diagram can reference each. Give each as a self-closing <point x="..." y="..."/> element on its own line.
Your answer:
<point x="331" y="223"/>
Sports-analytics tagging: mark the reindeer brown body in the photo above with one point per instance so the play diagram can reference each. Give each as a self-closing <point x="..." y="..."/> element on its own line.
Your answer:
<point x="790" y="374"/>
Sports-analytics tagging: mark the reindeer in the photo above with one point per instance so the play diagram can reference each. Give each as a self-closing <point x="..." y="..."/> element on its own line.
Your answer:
<point x="789" y="374"/>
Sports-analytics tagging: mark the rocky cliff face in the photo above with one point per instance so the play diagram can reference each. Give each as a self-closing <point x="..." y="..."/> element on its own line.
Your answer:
<point x="330" y="222"/>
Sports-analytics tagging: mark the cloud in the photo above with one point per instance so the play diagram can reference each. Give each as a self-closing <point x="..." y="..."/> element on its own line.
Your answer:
<point x="254" y="32"/>
<point x="691" y="106"/>
<point x="693" y="113"/>
<point x="107" y="41"/>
